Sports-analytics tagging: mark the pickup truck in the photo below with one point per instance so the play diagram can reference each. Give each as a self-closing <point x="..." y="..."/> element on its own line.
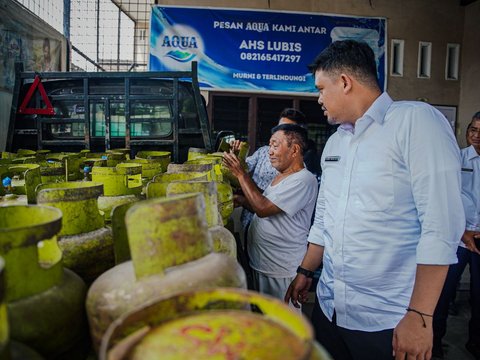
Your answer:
<point x="100" y="111"/>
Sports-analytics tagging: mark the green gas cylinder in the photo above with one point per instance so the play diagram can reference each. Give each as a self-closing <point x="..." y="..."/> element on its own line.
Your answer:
<point x="213" y="169"/>
<point x="87" y="245"/>
<point x="10" y="350"/>
<point x="158" y="186"/>
<point x="24" y="179"/>
<point x="121" y="184"/>
<point x="42" y="297"/>
<point x="223" y="241"/>
<point x="214" y="174"/>
<point x="171" y="251"/>
<point x="150" y="168"/>
<point x="194" y="153"/>
<point x="209" y="191"/>
<point x="53" y="170"/>
<point x="163" y="157"/>
<point x="212" y="324"/>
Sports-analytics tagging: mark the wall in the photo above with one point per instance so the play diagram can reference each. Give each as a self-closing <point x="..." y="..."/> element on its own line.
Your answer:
<point x="436" y="21"/>
<point x="470" y="71"/>
<point x="23" y="39"/>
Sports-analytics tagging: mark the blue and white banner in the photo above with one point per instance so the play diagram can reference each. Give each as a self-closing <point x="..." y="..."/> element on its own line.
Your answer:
<point x="246" y="50"/>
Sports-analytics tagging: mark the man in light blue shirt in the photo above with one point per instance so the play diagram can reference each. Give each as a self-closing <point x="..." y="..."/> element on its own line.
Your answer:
<point x="388" y="218"/>
<point x="468" y="252"/>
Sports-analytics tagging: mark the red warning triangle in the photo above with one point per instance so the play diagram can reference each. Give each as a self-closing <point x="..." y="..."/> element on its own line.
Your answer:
<point x="37" y="83"/>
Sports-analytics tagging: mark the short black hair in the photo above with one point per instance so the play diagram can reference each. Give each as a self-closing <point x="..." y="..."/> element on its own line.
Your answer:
<point x="475" y="116"/>
<point x="348" y="56"/>
<point x="294" y="115"/>
<point x="295" y="134"/>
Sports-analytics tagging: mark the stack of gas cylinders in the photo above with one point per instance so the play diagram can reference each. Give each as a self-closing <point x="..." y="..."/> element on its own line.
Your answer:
<point x="103" y="256"/>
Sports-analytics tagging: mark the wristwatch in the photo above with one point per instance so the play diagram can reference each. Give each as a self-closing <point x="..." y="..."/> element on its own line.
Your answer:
<point x="307" y="273"/>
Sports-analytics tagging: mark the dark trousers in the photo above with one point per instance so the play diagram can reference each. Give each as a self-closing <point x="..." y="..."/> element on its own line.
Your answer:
<point x="455" y="272"/>
<point x="345" y="344"/>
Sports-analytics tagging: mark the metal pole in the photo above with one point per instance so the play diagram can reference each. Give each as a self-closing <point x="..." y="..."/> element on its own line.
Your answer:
<point x="66" y="18"/>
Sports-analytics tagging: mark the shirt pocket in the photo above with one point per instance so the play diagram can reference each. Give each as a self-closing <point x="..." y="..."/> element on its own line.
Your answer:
<point x="467" y="178"/>
<point x="372" y="183"/>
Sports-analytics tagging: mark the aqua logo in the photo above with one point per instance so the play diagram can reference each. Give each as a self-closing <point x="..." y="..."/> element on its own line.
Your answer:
<point x="182" y="44"/>
<point x="177" y="45"/>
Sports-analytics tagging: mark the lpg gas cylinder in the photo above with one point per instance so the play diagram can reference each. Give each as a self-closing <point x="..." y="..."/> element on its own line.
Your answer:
<point x="163" y="157"/>
<point x="212" y="324"/>
<point x="10" y="350"/>
<point x="42" y="297"/>
<point x="158" y="186"/>
<point x="194" y="153"/>
<point x="86" y="243"/>
<point x="209" y="191"/>
<point x="121" y="184"/>
<point x="171" y="251"/>
<point x="24" y="179"/>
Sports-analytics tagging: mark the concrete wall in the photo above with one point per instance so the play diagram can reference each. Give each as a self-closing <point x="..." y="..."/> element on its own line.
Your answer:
<point x="470" y="71"/>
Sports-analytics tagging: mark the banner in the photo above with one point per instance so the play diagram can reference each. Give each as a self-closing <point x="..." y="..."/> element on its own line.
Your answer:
<point x="250" y="50"/>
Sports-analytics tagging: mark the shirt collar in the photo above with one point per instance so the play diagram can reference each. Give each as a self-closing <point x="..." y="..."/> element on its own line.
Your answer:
<point x="379" y="108"/>
<point x="472" y="153"/>
<point x="376" y="112"/>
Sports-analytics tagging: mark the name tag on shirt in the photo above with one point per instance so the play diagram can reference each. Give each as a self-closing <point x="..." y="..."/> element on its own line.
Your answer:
<point x="467" y="169"/>
<point x="332" y="158"/>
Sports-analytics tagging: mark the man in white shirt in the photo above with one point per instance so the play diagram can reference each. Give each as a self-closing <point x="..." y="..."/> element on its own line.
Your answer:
<point x="388" y="218"/>
<point x="279" y="229"/>
<point x="467" y="252"/>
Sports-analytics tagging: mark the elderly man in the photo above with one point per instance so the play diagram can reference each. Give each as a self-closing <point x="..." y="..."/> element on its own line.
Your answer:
<point x="279" y="229"/>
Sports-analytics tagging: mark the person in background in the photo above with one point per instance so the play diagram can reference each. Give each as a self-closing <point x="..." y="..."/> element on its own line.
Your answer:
<point x="279" y="229"/>
<point x="468" y="251"/>
<point x="388" y="218"/>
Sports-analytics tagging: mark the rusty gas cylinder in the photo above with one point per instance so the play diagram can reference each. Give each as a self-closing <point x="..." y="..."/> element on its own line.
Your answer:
<point x="42" y="297"/>
<point x="171" y="251"/>
<point x="86" y="243"/>
<point x="158" y="186"/>
<point x="209" y="191"/>
<point x="212" y="324"/>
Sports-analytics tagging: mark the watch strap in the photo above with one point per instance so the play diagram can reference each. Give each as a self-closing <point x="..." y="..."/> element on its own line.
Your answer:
<point x="303" y="271"/>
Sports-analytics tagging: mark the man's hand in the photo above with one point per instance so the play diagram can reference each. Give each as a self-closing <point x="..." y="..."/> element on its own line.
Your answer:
<point x="468" y="239"/>
<point x="235" y="146"/>
<point x="231" y="161"/>
<point x="239" y="200"/>
<point x="298" y="290"/>
<point x="412" y="341"/>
